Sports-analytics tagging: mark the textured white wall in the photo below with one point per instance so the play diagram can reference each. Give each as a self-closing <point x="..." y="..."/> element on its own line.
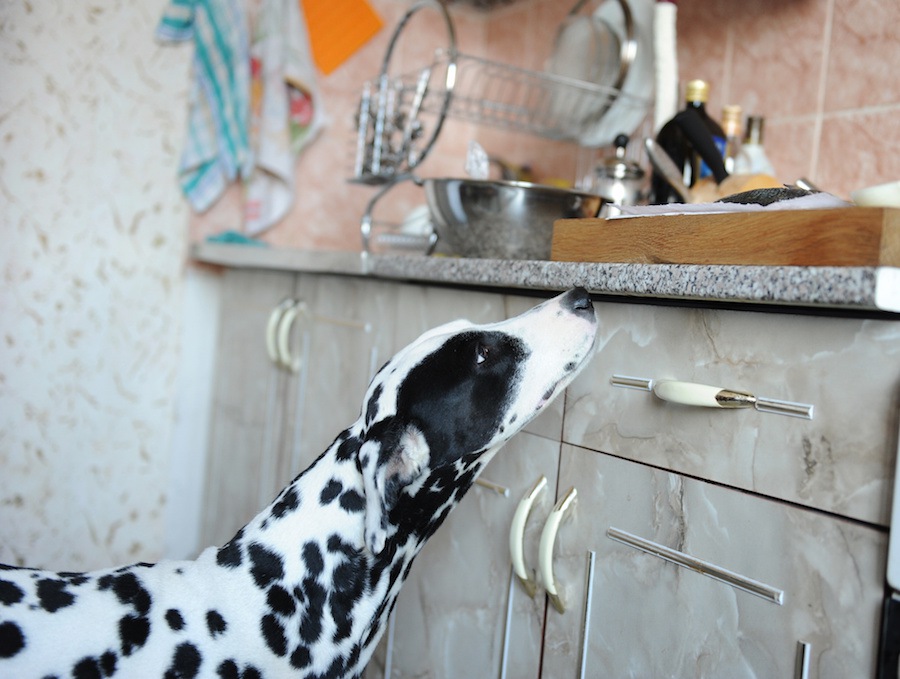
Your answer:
<point x="92" y="251"/>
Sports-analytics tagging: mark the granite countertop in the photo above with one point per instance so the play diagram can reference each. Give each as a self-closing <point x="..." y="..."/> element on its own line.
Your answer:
<point x="847" y="288"/>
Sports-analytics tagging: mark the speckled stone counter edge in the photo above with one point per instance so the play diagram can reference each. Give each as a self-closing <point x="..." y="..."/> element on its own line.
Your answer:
<point x="860" y="288"/>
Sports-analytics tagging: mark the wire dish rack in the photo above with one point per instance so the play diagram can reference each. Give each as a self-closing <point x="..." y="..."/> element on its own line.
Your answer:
<point x="501" y="95"/>
<point x="475" y="90"/>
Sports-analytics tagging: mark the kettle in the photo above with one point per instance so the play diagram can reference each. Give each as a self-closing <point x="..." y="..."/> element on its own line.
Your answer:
<point x="620" y="181"/>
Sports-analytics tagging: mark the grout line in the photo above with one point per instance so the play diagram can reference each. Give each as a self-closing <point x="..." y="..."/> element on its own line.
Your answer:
<point x="823" y="85"/>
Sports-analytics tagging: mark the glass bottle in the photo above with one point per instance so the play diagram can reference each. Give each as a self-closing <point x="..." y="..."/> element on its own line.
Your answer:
<point x="752" y="158"/>
<point x="674" y="142"/>
<point x="731" y="125"/>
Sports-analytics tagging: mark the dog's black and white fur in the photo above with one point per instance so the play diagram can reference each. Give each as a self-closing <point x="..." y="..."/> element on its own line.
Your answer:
<point x="305" y="588"/>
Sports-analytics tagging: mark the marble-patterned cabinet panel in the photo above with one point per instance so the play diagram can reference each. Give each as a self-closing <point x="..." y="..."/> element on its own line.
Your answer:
<point x="651" y="618"/>
<point x="248" y="414"/>
<point x="841" y="461"/>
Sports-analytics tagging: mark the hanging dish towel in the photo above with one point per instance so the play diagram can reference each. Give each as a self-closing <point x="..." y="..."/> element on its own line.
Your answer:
<point x="286" y="110"/>
<point x="218" y="149"/>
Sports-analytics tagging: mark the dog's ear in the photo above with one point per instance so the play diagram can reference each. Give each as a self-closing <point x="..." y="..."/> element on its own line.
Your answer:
<point x="390" y="457"/>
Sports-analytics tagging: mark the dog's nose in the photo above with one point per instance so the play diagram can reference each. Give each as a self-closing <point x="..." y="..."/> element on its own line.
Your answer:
<point x="578" y="302"/>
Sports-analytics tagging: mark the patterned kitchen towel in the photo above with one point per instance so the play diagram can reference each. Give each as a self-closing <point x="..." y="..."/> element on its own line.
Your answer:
<point x="286" y="110"/>
<point x="217" y="149"/>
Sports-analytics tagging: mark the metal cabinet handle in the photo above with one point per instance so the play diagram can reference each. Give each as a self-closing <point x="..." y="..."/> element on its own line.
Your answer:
<point x="517" y="537"/>
<point x="548" y="540"/>
<point x="284" y="332"/>
<point x="272" y="330"/>
<point x="708" y="396"/>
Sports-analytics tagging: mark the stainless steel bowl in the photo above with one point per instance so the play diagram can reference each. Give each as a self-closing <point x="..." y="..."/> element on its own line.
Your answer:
<point x="501" y="219"/>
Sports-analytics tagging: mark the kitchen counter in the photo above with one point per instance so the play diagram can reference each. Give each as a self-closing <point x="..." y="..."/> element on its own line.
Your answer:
<point x="864" y="289"/>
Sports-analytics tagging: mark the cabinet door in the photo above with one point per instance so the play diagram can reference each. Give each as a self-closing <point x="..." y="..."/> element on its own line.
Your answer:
<point x="341" y="338"/>
<point x="649" y="617"/>
<point x="247" y="414"/>
<point x="460" y="614"/>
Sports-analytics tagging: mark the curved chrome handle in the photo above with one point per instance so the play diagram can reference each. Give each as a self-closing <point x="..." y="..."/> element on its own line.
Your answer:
<point x="284" y="332"/>
<point x="517" y="537"/>
<point x="708" y="396"/>
<point x="548" y="540"/>
<point x="272" y="330"/>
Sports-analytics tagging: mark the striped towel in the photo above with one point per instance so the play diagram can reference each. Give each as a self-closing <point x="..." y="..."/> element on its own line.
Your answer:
<point x="218" y="149"/>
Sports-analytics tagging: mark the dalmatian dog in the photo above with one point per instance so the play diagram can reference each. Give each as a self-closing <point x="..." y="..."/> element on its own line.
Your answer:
<point x="305" y="588"/>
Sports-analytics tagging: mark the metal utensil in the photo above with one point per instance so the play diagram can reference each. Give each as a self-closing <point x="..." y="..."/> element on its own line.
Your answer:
<point x="663" y="164"/>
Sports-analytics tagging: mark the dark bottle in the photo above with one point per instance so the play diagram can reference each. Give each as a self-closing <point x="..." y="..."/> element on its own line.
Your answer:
<point x="674" y="141"/>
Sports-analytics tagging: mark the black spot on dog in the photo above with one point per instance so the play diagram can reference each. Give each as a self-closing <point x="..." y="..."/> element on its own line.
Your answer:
<point x="10" y="593"/>
<point x="228" y="669"/>
<point x="338" y="546"/>
<point x="348" y="448"/>
<point x="53" y="595"/>
<point x="215" y="623"/>
<point x="11" y="639"/>
<point x="128" y="590"/>
<point x="281" y="601"/>
<point x="300" y="658"/>
<point x="288" y="502"/>
<point x="229" y="556"/>
<point x="74" y="579"/>
<point x="352" y="501"/>
<point x="570" y="366"/>
<point x="331" y="490"/>
<point x="311" y="620"/>
<point x="174" y="619"/>
<point x="87" y="668"/>
<point x="133" y="633"/>
<point x="108" y="663"/>
<point x="95" y="668"/>
<point x="266" y="567"/>
<point x="312" y="557"/>
<point x="185" y="662"/>
<point x="273" y="633"/>
<point x="372" y="405"/>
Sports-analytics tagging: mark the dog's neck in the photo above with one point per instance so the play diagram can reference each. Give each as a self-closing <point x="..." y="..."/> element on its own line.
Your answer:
<point x="348" y="620"/>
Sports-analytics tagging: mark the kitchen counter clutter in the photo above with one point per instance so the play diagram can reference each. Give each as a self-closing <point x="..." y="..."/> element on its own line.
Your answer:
<point x="755" y="540"/>
<point x="863" y="288"/>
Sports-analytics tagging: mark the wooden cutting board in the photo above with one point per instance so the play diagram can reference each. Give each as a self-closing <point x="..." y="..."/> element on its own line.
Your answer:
<point x="836" y="237"/>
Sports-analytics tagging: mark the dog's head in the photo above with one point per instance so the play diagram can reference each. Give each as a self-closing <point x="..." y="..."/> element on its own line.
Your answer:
<point x="451" y="398"/>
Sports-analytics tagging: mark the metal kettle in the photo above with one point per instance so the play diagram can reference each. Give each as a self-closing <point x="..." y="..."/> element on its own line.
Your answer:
<point x="619" y="180"/>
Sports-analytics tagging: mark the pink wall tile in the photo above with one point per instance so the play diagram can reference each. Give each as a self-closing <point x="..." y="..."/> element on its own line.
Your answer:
<point x="777" y="58"/>
<point x="865" y="55"/>
<point x="859" y="149"/>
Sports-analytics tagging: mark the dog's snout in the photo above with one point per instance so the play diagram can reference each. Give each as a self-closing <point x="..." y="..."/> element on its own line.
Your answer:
<point x="578" y="302"/>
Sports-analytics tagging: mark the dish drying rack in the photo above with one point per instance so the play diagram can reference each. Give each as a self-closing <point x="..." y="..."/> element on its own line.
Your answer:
<point x="393" y="135"/>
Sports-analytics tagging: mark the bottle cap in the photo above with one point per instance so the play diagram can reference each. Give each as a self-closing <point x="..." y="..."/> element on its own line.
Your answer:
<point x="755" y="125"/>
<point x="731" y="120"/>
<point x="696" y="90"/>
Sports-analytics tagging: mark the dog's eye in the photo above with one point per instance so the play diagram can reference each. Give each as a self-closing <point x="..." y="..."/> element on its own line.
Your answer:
<point x="481" y="353"/>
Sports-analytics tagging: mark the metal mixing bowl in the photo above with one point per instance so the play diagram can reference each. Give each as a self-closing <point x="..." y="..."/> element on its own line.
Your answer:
<point x="501" y="219"/>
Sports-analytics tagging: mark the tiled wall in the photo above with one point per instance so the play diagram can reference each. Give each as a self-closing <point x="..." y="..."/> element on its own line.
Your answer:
<point x="822" y="72"/>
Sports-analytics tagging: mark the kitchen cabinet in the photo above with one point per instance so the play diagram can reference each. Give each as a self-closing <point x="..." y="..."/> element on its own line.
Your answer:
<point x="797" y="506"/>
<point x="811" y="579"/>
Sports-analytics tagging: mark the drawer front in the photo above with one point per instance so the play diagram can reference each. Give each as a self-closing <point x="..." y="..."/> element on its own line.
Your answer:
<point x="841" y="461"/>
<point x="763" y="578"/>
